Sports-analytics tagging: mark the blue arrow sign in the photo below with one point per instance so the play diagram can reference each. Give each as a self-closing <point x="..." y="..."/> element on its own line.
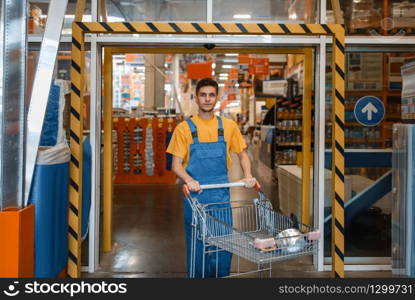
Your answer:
<point x="369" y="111"/>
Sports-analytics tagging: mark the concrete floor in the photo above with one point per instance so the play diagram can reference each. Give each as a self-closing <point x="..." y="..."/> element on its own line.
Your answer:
<point x="149" y="234"/>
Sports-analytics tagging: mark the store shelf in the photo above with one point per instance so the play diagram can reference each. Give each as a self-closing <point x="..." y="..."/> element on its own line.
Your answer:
<point x="354" y="140"/>
<point x="289" y="128"/>
<point x="288" y="144"/>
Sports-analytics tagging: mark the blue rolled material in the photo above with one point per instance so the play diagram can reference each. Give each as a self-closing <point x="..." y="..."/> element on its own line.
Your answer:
<point x="49" y="194"/>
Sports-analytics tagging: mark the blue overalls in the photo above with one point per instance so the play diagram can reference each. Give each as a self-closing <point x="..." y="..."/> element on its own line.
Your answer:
<point x="207" y="165"/>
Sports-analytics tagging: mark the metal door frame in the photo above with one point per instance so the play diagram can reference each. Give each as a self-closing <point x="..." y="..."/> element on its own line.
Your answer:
<point x="108" y="89"/>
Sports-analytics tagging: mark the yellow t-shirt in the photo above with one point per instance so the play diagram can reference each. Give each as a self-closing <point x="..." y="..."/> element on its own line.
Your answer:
<point x="207" y="131"/>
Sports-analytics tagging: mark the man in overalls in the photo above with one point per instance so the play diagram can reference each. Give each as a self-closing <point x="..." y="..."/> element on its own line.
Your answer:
<point x="201" y="148"/>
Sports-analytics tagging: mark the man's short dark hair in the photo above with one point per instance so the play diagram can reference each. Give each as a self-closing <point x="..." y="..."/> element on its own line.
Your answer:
<point x="206" y="82"/>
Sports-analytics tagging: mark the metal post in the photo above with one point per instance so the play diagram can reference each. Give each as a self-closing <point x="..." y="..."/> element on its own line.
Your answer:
<point x="306" y="131"/>
<point x="13" y="53"/>
<point x="41" y="85"/>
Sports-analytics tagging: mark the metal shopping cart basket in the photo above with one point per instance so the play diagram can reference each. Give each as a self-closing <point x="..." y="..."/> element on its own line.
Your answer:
<point x="251" y="230"/>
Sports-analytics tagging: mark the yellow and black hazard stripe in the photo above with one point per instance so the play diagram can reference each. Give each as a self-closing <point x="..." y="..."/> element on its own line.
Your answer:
<point x="337" y="227"/>
<point x="75" y="140"/>
<point x="80" y="28"/>
<point x="207" y="28"/>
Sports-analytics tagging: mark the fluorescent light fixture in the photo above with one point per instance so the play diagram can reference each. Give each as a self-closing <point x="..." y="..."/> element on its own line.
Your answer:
<point x="213" y="65"/>
<point x="231" y="54"/>
<point x="140" y="68"/>
<point x="242" y="16"/>
<point x="213" y="73"/>
<point x="223" y="75"/>
<point x="221" y="84"/>
<point x="226" y="66"/>
<point x="230" y="60"/>
<point x="237" y="85"/>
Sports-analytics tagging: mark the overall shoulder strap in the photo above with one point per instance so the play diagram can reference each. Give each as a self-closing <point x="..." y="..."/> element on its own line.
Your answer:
<point x="193" y="130"/>
<point x="220" y="129"/>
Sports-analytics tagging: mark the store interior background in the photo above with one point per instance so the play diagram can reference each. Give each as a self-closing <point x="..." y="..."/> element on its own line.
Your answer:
<point x="148" y="233"/>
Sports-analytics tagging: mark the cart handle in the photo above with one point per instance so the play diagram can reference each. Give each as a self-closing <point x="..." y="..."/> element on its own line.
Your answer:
<point x="186" y="190"/>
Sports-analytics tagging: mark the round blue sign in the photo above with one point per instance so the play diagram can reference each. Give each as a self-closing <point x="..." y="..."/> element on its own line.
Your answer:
<point x="369" y="111"/>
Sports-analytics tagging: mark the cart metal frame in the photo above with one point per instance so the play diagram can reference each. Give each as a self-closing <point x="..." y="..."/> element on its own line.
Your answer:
<point x="233" y="226"/>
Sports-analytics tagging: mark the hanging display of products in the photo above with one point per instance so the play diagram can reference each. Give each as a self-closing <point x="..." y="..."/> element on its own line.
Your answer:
<point x="141" y="150"/>
<point x="149" y="153"/>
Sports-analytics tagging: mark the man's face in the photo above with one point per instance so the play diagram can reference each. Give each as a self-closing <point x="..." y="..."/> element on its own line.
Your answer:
<point x="206" y="98"/>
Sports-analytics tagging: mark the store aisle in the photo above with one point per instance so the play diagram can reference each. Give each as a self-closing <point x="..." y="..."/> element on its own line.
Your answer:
<point x="149" y="234"/>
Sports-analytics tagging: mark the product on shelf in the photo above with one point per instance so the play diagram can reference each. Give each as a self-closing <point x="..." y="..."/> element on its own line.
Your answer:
<point x="408" y="91"/>
<point x="364" y="15"/>
<point x="36" y="22"/>
<point x="331" y="19"/>
<point x="286" y="157"/>
<point x="364" y="71"/>
<point x="141" y="150"/>
<point x="288" y="138"/>
<point x="126" y="140"/>
<point x="115" y="150"/>
<point x="403" y="14"/>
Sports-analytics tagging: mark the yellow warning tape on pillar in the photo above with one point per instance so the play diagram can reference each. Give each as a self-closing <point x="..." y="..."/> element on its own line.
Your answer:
<point x="75" y="166"/>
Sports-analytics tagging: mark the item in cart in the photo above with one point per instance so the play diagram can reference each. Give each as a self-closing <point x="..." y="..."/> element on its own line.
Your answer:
<point x="267" y="244"/>
<point x="314" y="235"/>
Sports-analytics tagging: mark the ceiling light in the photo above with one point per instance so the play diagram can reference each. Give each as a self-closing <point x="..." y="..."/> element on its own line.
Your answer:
<point x="230" y="60"/>
<point x="226" y="66"/>
<point x="231" y="54"/>
<point x="221" y="84"/>
<point x="242" y="16"/>
<point x="213" y="65"/>
<point x="213" y="73"/>
<point x="223" y="75"/>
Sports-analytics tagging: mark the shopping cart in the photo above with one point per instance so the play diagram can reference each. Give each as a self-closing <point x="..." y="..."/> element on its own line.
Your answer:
<point x="251" y="230"/>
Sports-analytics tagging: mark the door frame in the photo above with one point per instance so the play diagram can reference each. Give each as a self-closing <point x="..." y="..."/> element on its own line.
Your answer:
<point x="79" y="29"/>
